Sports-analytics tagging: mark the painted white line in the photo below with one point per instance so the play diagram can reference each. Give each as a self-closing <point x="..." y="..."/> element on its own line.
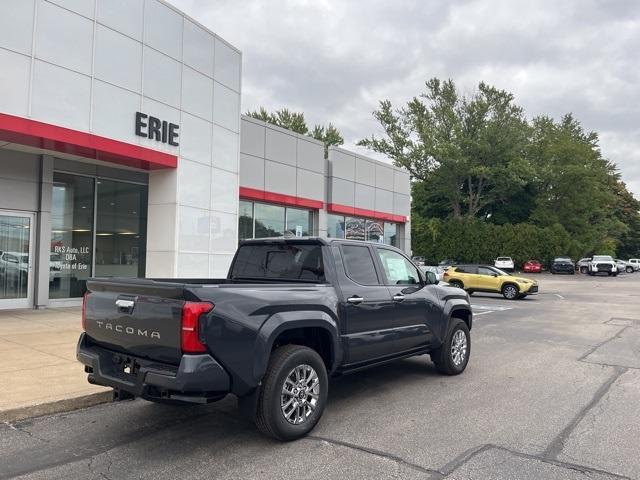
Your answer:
<point x="559" y="296"/>
<point x="482" y="313"/>
<point x="490" y="307"/>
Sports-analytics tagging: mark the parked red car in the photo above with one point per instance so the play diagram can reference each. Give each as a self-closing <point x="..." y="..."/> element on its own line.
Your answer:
<point x="532" y="266"/>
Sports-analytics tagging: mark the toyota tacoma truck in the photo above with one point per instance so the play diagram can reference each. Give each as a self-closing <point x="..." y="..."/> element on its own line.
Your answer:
<point x="290" y="314"/>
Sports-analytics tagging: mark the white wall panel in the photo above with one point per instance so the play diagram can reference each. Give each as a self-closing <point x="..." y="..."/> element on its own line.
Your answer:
<point x="226" y="107"/>
<point x="225" y="149"/>
<point x="194" y="184"/>
<point x="195" y="139"/>
<point x="198" y="48"/>
<point x="224" y="191"/>
<point x="16" y="25"/>
<point x="118" y="59"/>
<point x="125" y="16"/>
<point x="197" y="93"/>
<point x="14" y="78"/>
<point x="193" y="230"/>
<point x="83" y="7"/>
<point x="227" y="65"/>
<point x="111" y="102"/>
<point x="64" y="38"/>
<point x="224" y="232"/>
<point x="162" y="77"/>
<point x="60" y="96"/>
<point x="163" y="28"/>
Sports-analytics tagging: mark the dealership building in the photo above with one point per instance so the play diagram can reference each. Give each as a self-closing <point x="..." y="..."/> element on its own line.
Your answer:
<point x="123" y="152"/>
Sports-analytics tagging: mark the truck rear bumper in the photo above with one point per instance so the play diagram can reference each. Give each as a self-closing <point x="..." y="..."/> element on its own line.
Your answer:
<point x="198" y="378"/>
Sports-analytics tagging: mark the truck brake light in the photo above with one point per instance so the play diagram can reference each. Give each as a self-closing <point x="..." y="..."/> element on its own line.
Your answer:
<point x="85" y="297"/>
<point x="189" y="329"/>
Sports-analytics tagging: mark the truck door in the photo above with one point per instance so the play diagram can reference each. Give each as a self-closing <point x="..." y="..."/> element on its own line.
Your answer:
<point x="416" y="306"/>
<point x="367" y="308"/>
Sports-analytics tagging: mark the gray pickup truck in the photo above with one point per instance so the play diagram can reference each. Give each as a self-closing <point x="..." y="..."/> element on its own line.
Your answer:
<point x="290" y="314"/>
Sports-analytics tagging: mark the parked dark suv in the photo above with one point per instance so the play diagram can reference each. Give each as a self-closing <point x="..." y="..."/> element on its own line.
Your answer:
<point x="563" y="265"/>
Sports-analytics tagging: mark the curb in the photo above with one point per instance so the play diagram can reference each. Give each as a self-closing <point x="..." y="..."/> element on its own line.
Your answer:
<point x="59" y="406"/>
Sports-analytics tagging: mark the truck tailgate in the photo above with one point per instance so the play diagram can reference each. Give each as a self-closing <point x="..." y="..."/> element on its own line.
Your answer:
<point x="137" y="317"/>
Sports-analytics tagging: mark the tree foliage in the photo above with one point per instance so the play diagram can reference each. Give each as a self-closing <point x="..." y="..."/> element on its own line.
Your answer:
<point x="294" y="121"/>
<point x="479" y="165"/>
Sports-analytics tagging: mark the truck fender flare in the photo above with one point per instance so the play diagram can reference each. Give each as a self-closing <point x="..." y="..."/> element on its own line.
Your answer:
<point x="454" y="305"/>
<point x="283" y="321"/>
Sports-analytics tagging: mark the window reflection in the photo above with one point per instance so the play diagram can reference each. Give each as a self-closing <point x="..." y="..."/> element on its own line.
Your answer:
<point x="14" y="256"/>
<point x="121" y="229"/>
<point x="299" y="222"/>
<point x="269" y="220"/>
<point x="355" y="228"/>
<point x="335" y="226"/>
<point x="71" y="235"/>
<point x="245" y="227"/>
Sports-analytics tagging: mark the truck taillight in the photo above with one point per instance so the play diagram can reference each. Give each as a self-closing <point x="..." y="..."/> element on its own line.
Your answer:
<point x="189" y="329"/>
<point x="85" y="298"/>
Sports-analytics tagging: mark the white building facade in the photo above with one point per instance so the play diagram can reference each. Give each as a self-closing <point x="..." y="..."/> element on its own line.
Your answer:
<point x="123" y="153"/>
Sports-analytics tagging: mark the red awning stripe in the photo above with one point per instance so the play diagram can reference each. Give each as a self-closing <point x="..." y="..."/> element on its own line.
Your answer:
<point x="272" y="197"/>
<point x="363" y="212"/>
<point x="36" y="134"/>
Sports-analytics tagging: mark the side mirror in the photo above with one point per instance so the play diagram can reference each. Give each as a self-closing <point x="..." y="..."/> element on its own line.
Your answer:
<point x="494" y="274"/>
<point x="431" y="278"/>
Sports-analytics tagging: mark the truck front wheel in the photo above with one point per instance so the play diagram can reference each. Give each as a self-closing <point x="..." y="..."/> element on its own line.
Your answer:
<point x="452" y="356"/>
<point x="293" y="394"/>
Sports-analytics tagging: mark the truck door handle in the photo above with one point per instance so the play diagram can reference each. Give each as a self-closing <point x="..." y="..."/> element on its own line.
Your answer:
<point x="398" y="298"/>
<point x="354" y="299"/>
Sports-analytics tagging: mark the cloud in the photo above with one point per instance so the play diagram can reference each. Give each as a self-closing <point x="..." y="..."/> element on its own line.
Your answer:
<point x="335" y="60"/>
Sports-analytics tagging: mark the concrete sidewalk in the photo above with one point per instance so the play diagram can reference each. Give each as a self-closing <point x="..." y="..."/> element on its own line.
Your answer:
<point x="39" y="373"/>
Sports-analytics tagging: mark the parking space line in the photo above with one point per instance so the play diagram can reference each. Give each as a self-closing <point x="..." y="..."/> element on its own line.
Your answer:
<point x="483" y="313"/>
<point x="559" y="296"/>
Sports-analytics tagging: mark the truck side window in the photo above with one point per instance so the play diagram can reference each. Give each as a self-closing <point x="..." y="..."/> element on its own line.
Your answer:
<point x="359" y="265"/>
<point x="398" y="270"/>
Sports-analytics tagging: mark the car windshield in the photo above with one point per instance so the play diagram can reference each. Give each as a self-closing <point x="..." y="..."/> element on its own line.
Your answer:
<point x="562" y="259"/>
<point x="602" y="258"/>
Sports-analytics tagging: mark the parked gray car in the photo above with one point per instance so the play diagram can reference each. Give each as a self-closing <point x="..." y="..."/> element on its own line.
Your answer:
<point x="583" y="265"/>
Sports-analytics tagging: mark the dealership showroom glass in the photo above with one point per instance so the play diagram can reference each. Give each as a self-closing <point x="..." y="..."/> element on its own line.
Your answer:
<point x="123" y="152"/>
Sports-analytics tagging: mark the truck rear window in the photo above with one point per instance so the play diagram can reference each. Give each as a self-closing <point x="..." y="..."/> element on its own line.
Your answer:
<point x="279" y="262"/>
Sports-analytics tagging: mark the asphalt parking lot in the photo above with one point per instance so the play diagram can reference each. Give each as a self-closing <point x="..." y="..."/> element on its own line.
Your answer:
<point x="552" y="392"/>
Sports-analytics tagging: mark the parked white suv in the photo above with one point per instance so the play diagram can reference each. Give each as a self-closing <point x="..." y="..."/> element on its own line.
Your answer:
<point x="635" y="263"/>
<point x="603" y="264"/>
<point x="504" y="263"/>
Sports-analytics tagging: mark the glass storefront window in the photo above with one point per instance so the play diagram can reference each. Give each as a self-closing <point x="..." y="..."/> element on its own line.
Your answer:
<point x="269" y="220"/>
<point x="299" y="222"/>
<point x="245" y="227"/>
<point x="71" y="235"/>
<point x="355" y="228"/>
<point x="335" y="226"/>
<point x="390" y="234"/>
<point x="375" y="231"/>
<point x="261" y="220"/>
<point x="121" y="224"/>
<point x="15" y="235"/>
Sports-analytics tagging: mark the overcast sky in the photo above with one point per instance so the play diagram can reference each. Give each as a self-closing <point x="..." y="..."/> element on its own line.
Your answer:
<point x="334" y="60"/>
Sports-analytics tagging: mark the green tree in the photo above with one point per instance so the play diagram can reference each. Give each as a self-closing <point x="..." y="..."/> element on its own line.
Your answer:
<point x="294" y="121"/>
<point x="469" y="149"/>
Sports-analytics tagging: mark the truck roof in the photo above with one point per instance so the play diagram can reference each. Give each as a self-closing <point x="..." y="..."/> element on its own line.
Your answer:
<point x="309" y="240"/>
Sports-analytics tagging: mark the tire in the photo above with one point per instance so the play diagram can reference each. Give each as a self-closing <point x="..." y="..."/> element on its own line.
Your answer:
<point x="584" y="270"/>
<point x="288" y="363"/>
<point x="510" y="291"/>
<point x="629" y="269"/>
<point x="615" y="274"/>
<point x="445" y="357"/>
<point x="553" y="272"/>
<point x="456" y="283"/>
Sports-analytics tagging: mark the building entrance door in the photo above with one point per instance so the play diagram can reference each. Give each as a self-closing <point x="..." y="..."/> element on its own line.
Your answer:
<point x="16" y="259"/>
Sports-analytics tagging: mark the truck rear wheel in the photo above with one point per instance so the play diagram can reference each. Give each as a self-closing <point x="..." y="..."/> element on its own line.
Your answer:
<point x="293" y="394"/>
<point x="452" y="356"/>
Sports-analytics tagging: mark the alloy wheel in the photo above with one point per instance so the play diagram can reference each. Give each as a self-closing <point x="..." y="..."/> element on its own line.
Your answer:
<point x="510" y="292"/>
<point x="300" y="394"/>
<point x="458" y="348"/>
